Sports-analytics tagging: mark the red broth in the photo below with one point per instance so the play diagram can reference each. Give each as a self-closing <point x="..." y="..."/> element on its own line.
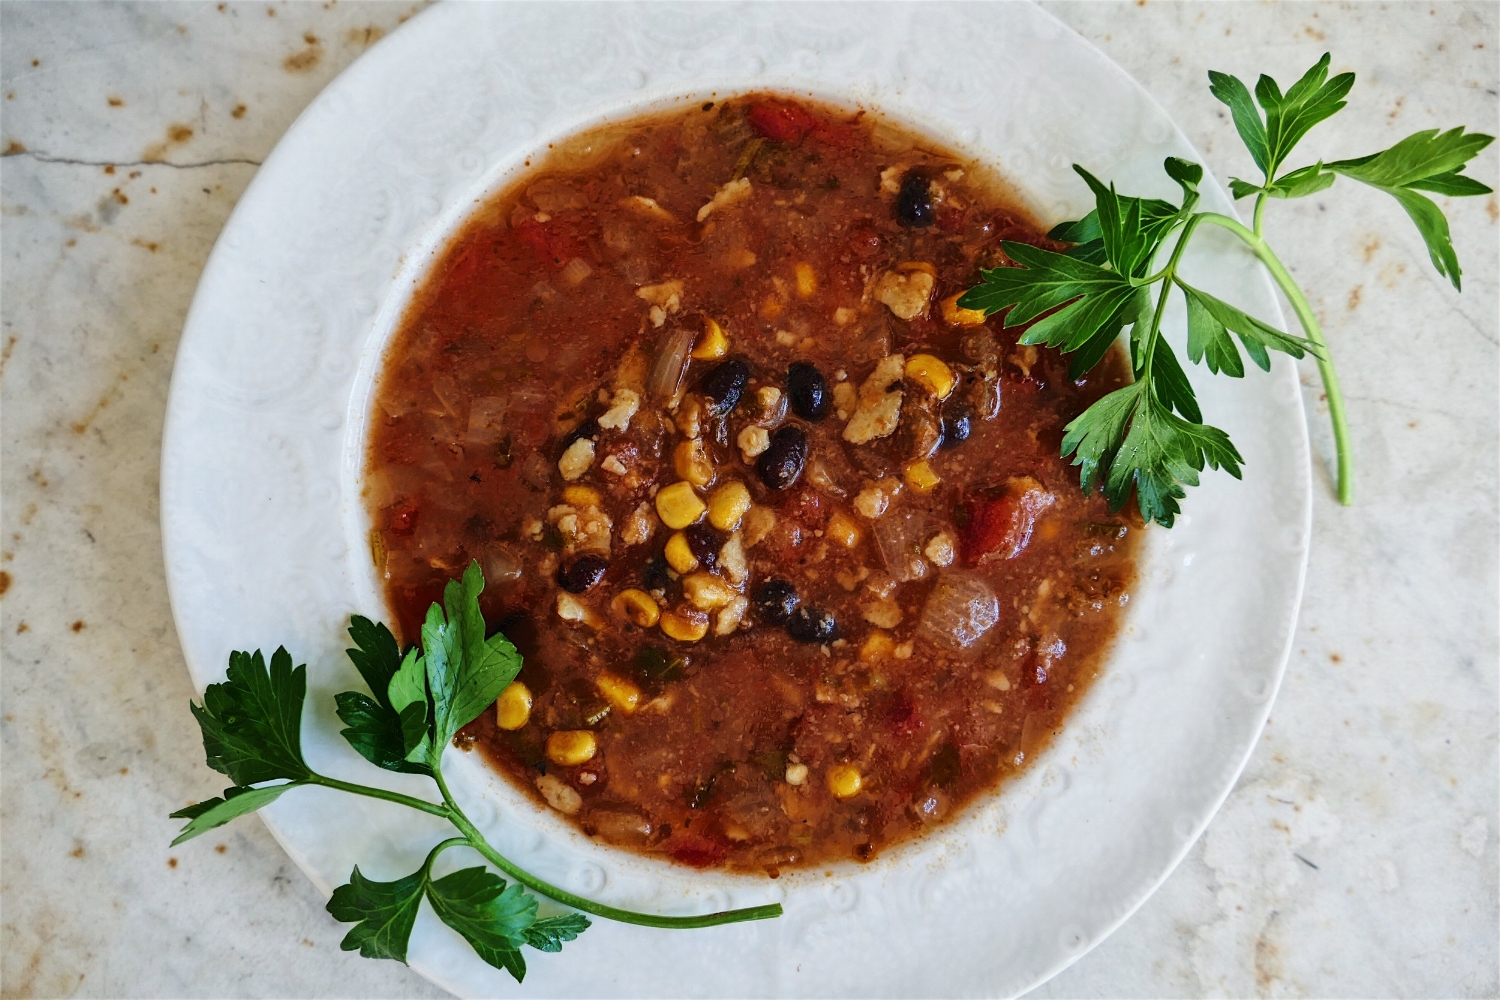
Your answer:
<point x="782" y="533"/>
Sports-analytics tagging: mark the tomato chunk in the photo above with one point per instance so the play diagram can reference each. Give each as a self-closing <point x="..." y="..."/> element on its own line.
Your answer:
<point x="1001" y="526"/>
<point x="780" y="121"/>
<point x="550" y="241"/>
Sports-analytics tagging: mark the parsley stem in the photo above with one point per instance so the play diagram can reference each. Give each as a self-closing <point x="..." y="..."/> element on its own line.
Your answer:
<point x="476" y="840"/>
<point x="380" y="793"/>
<point x="1314" y="333"/>
<point x="1260" y="209"/>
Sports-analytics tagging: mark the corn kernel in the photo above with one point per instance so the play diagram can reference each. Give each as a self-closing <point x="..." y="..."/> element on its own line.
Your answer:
<point x="638" y="606"/>
<point x="680" y="554"/>
<point x="692" y="462"/>
<point x="622" y="694"/>
<point x="571" y="747"/>
<point x="513" y="707"/>
<point x="582" y="496"/>
<point x="727" y="506"/>
<point x="759" y="522"/>
<point x="920" y="477"/>
<point x="678" y="506"/>
<point x="844" y="781"/>
<point x="931" y="373"/>
<point x="714" y="343"/>
<point x="684" y="624"/>
<point x="956" y="315"/>
<point x="807" y="280"/>
<point x="843" y="530"/>
<point x="706" y="592"/>
<point x="878" y="646"/>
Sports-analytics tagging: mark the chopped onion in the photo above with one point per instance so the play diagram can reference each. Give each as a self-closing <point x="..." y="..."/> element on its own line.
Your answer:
<point x="501" y="565"/>
<point x="960" y="609"/>
<point x="901" y="533"/>
<point x="574" y="271"/>
<point x="669" y="365"/>
<point x="551" y="194"/>
<point x="486" y="420"/>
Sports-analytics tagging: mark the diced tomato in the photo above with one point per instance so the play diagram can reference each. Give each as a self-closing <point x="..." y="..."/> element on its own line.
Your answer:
<point x="904" y="718"/>
<point x="780" y="121"/>
<point x="402" y="516"/>
<point x="550" y="240"/>
<point x="949" y="219"/>
<point x="469" y="265"/>
<point x="696" y="851"/>
<point x="1001" y="525"/>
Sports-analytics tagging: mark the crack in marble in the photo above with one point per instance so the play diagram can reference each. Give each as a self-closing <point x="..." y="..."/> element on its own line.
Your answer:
<point x="69" y="161"/>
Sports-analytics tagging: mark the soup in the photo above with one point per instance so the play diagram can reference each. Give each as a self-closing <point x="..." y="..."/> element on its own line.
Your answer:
<point x="781" y="530"/>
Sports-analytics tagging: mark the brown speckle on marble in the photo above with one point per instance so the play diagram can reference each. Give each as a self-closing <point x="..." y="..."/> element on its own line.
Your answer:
<point x="78" y="626"/>
<point x="22" y="627"/>
<point x="116" y="102"/>
<point x="1396" y="110"/>
<point x="1354" y="294"/>
<point x="171" y="862"/>
<point x="365" y="36"/>
<point x="145" y="244"/>
<point x="4" y="582"/>
<point x="12" y="147"/>
<point x="238" y="112"/>
<point x="1370" y="248"/>
<point x="301" y="62"/>
<point x="221" y="848"/>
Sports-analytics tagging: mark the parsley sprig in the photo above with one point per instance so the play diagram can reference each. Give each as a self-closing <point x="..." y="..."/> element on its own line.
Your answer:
<point x="1149" y="436"/>
<point x="418" y="701"/>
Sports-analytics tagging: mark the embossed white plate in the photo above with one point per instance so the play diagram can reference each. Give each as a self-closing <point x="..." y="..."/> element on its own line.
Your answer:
<point x="263" y="526"/>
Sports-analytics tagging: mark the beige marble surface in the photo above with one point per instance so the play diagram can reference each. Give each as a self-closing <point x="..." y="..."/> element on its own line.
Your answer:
<point x="1356" y="857"/>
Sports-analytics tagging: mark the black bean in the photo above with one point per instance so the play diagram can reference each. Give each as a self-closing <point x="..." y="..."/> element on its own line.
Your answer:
<point x="582" y="573"/>
<point x="655" y="576"/>
<point x="781" y="463"/>
<point x="807" y="391"/>
<point x="704" y="542"/>
<point x="957" y="423"/>
<point x="588" y="429"/>
<point x="914" y="201"/>
<point x="775" y="601"/>
<point x="724" y="384"/>
<point x="812" y="625"/>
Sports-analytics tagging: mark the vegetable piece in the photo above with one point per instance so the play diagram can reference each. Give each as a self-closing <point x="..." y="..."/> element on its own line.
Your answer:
<point x="879" y="402"/>
<point x="713" y="344"/>
<point x="914" y="201"/>
<point x="812" y="625"/>
<point x="622" y="695"/>
<point x="844" y="781"/>
<point x="1150" y="436"/>
<point x="775" y="601"/>
<point x="684" y="624"/>
<point x="727" y="505"/>
<point x="670" y="364"/>
<point x="920" y="476"/>
<point x="843" y="530"/>
<point x="638" y="606"/>
<point x="690" y="459"/>
<point x="780" y="121"/>
<point x="900" y="534"/>
<point x="808" y="391"/>
<point x="679" y="554"/>
<point x="1000" y="526"/>
<point x="678" y="506"/>
<point x="251" y="726"/>
<point x="571" y="747"/>
<point x="932" y="374"/>
<point x="724" y="384"/>
<point x="582" y="573"/>
<point x="513" y="707"/>
<point x="780" y="465"/>
<point x="959" y="611"/>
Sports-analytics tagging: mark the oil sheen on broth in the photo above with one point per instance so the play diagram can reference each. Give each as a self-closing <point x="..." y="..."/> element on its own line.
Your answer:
<point x="782" y="532"/>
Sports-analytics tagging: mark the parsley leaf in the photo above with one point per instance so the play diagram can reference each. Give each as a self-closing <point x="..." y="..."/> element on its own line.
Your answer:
<point x="1211" y="319"/>
<point x="1425" y="161"/>
<point x="236" y="802"/>
<point x="1144" y="445"/>
<point x="251" y="722"/>
<point x="1289" y="117"/>
<point x="549" y="933"/>
<point x="383" y="913"/>
<point x="376" y="725"/>
<point x="491" y="915"/>
<point x="465" y="671"/>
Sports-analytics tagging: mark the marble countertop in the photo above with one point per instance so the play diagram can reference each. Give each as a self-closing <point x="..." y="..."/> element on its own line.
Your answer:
<point x="1356" y="857"/>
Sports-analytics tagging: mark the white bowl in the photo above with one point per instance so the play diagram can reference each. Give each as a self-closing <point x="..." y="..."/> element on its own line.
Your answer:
<point x="264" y="529"/>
